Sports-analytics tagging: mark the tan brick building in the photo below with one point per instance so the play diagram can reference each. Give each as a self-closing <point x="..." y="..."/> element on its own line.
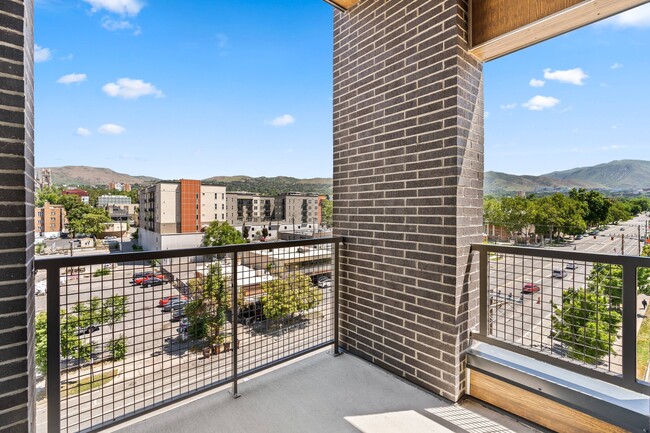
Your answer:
<point x="49" y="220"/>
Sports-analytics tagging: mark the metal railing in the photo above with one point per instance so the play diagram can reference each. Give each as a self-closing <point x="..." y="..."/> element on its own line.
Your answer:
<point x="135" y="331"/>
<point x="575" y="310"/>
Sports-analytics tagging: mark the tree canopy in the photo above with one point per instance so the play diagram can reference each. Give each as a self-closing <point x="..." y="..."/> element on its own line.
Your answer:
<point x="221" y="233"/>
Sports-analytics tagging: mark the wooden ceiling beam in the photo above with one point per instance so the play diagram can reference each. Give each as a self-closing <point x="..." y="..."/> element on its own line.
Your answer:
<point x="342" y="4"/>
<point x="500" y="27"/>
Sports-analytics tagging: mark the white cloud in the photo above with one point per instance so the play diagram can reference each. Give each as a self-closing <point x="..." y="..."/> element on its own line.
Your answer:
<point x="128" y="88"/>
<point x="72" y="78"/>
<point x="113" y="25"/>
<point x="111" y="129"/>
<point x="638" y="17"/>
<point x="509" y="106"/>
<point x="616" y="66"/>
<point x="83" y="132"/>
<point x="122" y="7"/>
<point x="536" y="83"/>
<point x="538" y="103"/>
<point x="41" y="54"/>
<point x="284" y="120"/>
<point x="613" y="147"/>
<point x="571" y="76"/>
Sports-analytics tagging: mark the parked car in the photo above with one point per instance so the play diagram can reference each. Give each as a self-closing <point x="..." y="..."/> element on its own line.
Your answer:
<point x="87" y="330"/>
<point x="558" y="273"/>
<point x="324" y="282"/>
<point x="578" y="237"/>
<point x="571" y="265"/>
<point x="530" y="288"/>
<point x="140" y="275"/>
<point x="178" y="313"/>
<point x="622" y="229"/>
<point x="175" y="304"/>
<point x="153" y="281"/>
<point x="142" y="280"/>
<point x="168" y="299"/>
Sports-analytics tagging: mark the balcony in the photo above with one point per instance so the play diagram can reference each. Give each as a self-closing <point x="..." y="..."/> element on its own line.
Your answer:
<point x="118" y="355"/>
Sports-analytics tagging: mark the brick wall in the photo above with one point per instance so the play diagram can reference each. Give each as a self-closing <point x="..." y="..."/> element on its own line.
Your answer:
<point x="408" y="179"/>
<point x="16" y="216"/>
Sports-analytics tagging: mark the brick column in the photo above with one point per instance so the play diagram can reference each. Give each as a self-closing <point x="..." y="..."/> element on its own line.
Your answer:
<point x="17" y="406"/>
<point x="408" y="186"/>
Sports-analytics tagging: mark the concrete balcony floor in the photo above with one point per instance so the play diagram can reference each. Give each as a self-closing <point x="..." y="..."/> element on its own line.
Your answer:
<point x="321" y="393"/>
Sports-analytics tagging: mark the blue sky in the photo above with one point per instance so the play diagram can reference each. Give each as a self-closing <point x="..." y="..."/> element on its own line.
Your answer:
<point x="587" y="103"/>
<point x="228" y="88"/>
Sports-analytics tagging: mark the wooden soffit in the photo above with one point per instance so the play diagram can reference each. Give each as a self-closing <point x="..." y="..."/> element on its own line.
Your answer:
<point x="342" y="4"/>
<point x="499" y="27"/>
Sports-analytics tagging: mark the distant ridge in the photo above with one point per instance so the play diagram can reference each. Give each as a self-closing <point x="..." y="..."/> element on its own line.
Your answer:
<point x="614" y="175"/>
<point x="84" y="175"/>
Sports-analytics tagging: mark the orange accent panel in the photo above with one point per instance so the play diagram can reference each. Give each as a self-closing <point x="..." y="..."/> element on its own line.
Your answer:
<point x="190" y="197"/>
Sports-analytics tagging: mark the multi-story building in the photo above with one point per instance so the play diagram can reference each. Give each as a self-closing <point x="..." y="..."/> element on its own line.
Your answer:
<point x="247" y="207"/>
<point x="105" y="200"/>
<point x="83" y="195"/>
<point x="119" y="186"/>
<point x="173" y="214"/>
<point x="298" y="208"/>
<point x="49" y="220"/>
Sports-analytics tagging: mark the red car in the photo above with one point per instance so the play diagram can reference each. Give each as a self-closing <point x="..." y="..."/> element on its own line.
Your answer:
<point x="530" y="288"/>
<point x="141" y="280"/>
<point x="168" y="299"/>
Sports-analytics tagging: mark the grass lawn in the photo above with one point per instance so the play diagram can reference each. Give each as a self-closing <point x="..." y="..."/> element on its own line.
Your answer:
<point x="643" y="348"/>
<point x="88" y="383"/>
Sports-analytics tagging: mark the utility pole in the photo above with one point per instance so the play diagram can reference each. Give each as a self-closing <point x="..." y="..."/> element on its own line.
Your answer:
<point x="639" y="238"/>
<point x="622" y="245"/>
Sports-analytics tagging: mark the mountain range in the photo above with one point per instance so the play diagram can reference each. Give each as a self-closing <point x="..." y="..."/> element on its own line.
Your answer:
<point x="614" y="175"/>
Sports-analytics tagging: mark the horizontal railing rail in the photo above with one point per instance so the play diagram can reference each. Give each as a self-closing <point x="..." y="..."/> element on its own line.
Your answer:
<point x="572" y="309"/>
<point x="225" y="313"/>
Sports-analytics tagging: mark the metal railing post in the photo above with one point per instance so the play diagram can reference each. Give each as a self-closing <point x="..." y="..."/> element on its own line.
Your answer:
<point x="336" y="298"/>
<point x="629" y="325"/>
<point x="235" y="320"/>
<point x="53" y="378"/>
<point x="483" y="292"/>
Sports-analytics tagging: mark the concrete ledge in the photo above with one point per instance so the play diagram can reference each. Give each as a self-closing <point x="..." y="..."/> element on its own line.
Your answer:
<point x="551" y="396"/>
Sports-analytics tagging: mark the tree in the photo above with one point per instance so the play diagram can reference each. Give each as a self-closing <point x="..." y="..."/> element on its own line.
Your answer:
<point x="618" y="212"/>
<point x="597" y="205"/>
<point x="327" y="213"/>
<point x="207" y="312"/>
<point x="284" y="297"/>
<point x="585" y="324"/>
<point x="117" y="348"/>
<point x="114" y="309"/>
<point x="608" y="280"/>
<point x="83" y="218"/>
<point x="559" y="213"/>
<point x="51" y="194"/>
<point x="221" y="233"/>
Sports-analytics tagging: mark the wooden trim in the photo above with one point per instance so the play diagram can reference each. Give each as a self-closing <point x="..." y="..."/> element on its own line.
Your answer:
<point x="343" y="4"/>
<point x="540" y="410"/>
<point x="565" y="20"/>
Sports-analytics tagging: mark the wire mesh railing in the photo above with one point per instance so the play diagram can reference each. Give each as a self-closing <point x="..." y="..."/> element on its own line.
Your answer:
<point x="132" y="332"/>
<point x="577" y="310"/>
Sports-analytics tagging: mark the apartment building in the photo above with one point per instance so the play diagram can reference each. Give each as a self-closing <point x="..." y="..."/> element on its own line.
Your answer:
<point x="105" y="200"/>
<point x="248" y="207"/>
<point x="49" y="220"/>
<point x="298" y="208"/>
<point x="173" y="214"/>
<point x="119" y="186"/>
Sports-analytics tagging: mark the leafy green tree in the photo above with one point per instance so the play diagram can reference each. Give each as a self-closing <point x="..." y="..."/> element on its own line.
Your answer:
<point x="221" y="233"/>
<point x="284" y="297"/>
<point x="559" y="213"/>
<point x="114" y="309"/>
<point x="117" y="348"/>
<point x="608" y="280"/>
<point x="327" y="213"/>
<point x="51" y="194"/>
<point x="83" y="218"/>
<point x="207" y="312"/>
<point x="516" y="214"/>
<point x="585" y="324"/>
<point x="40" y="342"/>
<point x="597" y="205"/>
<point x="618" y="212"/>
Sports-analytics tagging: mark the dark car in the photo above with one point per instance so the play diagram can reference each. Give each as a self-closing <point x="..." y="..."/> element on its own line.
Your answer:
<point x="571" y="266"/>
<point x="168" y="299"/>
<point x="558" y="273"/>
<point x="87" y="330"/>
<point x="153" y="281"/>
<point x="176" y="304"/>
<point x="530" y="288"/>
